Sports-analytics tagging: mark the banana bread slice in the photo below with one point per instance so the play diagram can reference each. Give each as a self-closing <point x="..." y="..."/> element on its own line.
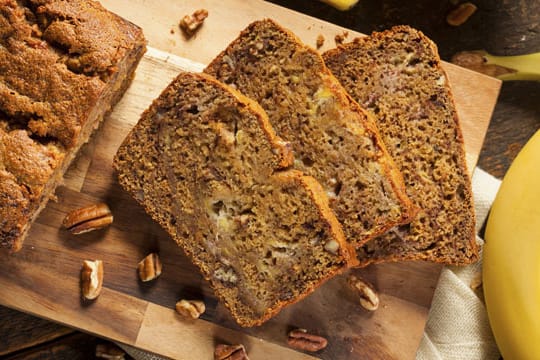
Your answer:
<point x="63" y="64"/>
<point x="397" y="75"/>
<point x="205" y="163"/>
<point x="333" y="139"/>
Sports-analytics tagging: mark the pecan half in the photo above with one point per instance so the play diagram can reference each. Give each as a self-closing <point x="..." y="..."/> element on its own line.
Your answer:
<point x="302" y="340"/>
<point x="191" y="23"/>
<point x="461" y="14"/>
<point x="87" y="219"/>
<point x="230" y="352"/>
<point x="91" y="279"/>
<point x="369" y="299"/>
<point x="190" y="308"/>
<point x="149" y="268"/>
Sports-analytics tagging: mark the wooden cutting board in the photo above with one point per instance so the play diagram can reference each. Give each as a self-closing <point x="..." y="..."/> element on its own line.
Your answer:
<point x="43" y="278"/>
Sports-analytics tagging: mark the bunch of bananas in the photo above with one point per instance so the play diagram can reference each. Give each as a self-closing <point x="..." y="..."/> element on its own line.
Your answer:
<point x="511" y="274"/>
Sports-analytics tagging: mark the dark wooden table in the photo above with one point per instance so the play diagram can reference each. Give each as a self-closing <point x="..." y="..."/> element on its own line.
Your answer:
<point x="504" y="27"/>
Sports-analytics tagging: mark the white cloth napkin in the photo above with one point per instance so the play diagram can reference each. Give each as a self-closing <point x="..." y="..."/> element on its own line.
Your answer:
<point x="457" y="325"/>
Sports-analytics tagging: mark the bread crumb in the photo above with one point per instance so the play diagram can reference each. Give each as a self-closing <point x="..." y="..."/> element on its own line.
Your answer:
<point x="189" y="24"/>
<point x="340" y="38"/>
<point x="320" y="41"/>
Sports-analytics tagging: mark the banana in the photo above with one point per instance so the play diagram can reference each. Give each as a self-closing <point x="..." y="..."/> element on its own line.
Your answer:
<point x="342" y="5"/>
<point x="518" y="67"/>
<point x="511" y="267"/>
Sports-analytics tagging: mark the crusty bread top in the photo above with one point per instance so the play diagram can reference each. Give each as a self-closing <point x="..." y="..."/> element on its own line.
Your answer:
<point x="333" y="138"/>
<point x="205" y="163"/>
<point x="56" y="61"/>
<point x="55" y="58"/>
<point x="397" y="75"/>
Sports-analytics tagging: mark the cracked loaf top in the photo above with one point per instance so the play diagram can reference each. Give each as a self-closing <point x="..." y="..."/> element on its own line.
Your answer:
<point x="60" y="62"/>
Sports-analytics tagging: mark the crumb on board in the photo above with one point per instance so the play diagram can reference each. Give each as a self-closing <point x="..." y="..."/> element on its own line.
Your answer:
<point x="189" y="24"/>
<point x="340" y="38"/>
<point x="320" y="41"/>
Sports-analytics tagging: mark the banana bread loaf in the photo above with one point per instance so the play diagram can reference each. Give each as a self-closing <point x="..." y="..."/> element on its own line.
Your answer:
<point x="63" y="64"/>
<point x="205" y="163"/>
<point x="333" y="139"/>
<point x="397" y="75"/>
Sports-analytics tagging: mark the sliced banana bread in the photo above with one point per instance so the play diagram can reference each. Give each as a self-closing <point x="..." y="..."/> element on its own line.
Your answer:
<point x="333" y="139"/>
<point x="63" y="65"/>
<point x="205" y="163"/>
<point x="397" y="75"/>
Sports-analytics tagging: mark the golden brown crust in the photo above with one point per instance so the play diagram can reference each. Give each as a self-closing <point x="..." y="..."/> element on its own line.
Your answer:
<point x="205" y="163"/>
<point x="416" y="115"/>
<point x="63" y="64"/>
<point x="334" y="140"/>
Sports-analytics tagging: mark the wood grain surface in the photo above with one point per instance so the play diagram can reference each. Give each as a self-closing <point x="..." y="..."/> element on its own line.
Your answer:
<point x="74" y="346"/>
<point x="25" y="331"/>
<point x="43" y="278"/>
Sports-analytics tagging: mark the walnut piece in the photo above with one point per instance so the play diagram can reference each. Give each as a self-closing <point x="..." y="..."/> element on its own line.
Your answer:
<point x="88" y="219"/>
<point x="369" y="299"/>
<point x="190" y="308"/>
<point x="332" y="247"/>
<point x="191" y="23"/>
<point x="149" y="268"/>
<point x="230" y="352"/>
<point x="461" y="14"/>
<point x="302" y="340"/>
<point x="91" y="279"/>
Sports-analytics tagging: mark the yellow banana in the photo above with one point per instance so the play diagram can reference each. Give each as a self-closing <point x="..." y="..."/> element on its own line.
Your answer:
<point x="341" y="4"/>
<point x="511" y="273"/>
<point x="518" y="67"/>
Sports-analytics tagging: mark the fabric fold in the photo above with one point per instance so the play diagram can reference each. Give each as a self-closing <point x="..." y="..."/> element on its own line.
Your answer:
<point x="458" y="325"/>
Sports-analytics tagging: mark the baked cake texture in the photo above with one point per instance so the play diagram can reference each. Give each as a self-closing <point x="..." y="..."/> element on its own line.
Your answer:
<point x="63" y="65"/>
<point x="205" y="163"/>
<point x="333" y="138"/>
<point x="397" y="75"/>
